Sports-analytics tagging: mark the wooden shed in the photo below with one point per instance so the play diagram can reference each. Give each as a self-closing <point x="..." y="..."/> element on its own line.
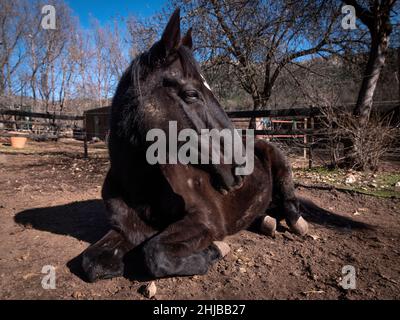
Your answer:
<point x="97" y="123"/>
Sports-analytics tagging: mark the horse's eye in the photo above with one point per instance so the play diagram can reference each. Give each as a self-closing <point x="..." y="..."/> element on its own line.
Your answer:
<point x="190" y="95"/>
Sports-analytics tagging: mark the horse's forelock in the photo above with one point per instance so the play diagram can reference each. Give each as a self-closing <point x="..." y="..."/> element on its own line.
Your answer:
<point x="189" y="64"/>
<point x="141" y="66"/>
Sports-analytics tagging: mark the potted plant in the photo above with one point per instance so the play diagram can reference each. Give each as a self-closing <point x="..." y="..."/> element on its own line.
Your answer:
<point x="18" y="139"/>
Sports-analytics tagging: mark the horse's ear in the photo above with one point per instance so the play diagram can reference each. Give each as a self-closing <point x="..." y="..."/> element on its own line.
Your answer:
<point x="171" y="36"/>
<point x="187" y="39"/>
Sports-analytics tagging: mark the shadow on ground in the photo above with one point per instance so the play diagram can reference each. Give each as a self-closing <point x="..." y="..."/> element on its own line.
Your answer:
<point x="86" y="221"/>
<point x="83" y="220"/>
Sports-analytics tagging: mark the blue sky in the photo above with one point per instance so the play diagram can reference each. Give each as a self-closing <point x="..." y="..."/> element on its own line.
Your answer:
<point x="104" y="10"/>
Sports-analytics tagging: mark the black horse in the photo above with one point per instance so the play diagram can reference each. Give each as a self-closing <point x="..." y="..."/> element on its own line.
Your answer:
<point x="177" y="213"/>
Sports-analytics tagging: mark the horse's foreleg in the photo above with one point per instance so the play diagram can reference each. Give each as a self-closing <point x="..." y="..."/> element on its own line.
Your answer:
<point x="284" y="193"/>
<point x="184" y="248"/>
<point x="104" y="259"/>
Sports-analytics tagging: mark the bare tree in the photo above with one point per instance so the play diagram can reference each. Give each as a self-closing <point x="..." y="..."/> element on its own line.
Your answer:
<point x="259" y="38"/>
<point x="376" y="17"/>
<point x="109" y="60"/>
<point x="45" y="48"/>
<point x="12" y="24"/>
<point x="371" y="141"/>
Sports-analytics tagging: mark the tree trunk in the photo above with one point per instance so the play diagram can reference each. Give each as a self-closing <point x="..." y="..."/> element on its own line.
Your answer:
<point x="398" y="70"/>
<point x="375" y="64"/>
<point x="2" y="84"/>
<point x="364" y="103"/>
<point x="377" y="19"/>
<point x="259" y="102"/>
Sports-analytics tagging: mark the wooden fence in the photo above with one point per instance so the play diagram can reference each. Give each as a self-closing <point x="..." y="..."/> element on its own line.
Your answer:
<point x="299" y="124"/>
<point x="100" y="116"/>
<point x="50" y="116"/>
<point x="305" y="117"/>
<point x="10" y="117"/>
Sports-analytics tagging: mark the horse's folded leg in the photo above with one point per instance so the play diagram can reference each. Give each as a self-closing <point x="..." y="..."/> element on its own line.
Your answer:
<point x="294" y="220"/>
<point x="104" y="259"/>
<point x="284" y="198"/>
<point x="161" y="263"/>
<point x="184" y="248"/>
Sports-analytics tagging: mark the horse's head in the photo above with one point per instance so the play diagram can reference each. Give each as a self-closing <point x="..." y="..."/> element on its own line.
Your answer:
<point x="165" y="84"/>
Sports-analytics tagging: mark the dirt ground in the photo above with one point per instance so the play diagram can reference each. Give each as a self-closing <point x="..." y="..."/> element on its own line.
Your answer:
<point x="50" y="211"/>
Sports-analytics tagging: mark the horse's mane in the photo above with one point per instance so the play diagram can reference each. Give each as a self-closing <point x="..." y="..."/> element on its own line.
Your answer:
<point x="125" y="120"/>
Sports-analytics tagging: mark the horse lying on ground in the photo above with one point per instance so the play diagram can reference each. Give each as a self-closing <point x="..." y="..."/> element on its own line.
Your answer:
<point x="178" y="212"/>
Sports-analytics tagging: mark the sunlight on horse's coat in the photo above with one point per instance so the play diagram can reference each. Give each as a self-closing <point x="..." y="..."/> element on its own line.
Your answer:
<point x="190" y="183"/>
<point x="152" y="110"/>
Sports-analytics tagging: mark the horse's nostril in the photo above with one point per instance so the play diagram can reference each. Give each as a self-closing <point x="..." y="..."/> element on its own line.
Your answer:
<point x="238" y="179"/>
<point x="239" y="182"/>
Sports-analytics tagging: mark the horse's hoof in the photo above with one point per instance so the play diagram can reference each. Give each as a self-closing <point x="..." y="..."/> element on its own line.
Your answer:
<point x="300" y="227"/>
<point x="89" y="269"/>
<point x="222" y="247"/>
<point x="268" y="226"/>
<point x="98" y="264"/>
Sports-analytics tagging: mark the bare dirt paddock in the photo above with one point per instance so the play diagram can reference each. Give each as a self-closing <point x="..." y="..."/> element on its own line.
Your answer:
<point x="50" y="211"/>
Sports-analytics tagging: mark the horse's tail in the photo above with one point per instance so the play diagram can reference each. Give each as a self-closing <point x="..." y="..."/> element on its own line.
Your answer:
<point x="315" y="214"/>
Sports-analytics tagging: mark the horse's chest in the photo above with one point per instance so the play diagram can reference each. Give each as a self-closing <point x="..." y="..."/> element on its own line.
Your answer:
<point x="251" y="200"/>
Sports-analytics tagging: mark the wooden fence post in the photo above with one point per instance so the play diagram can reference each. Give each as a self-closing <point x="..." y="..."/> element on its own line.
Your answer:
<point x="305" y="140"/>
<point x="311" y="144"/>
<point x="85" y="146"/>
